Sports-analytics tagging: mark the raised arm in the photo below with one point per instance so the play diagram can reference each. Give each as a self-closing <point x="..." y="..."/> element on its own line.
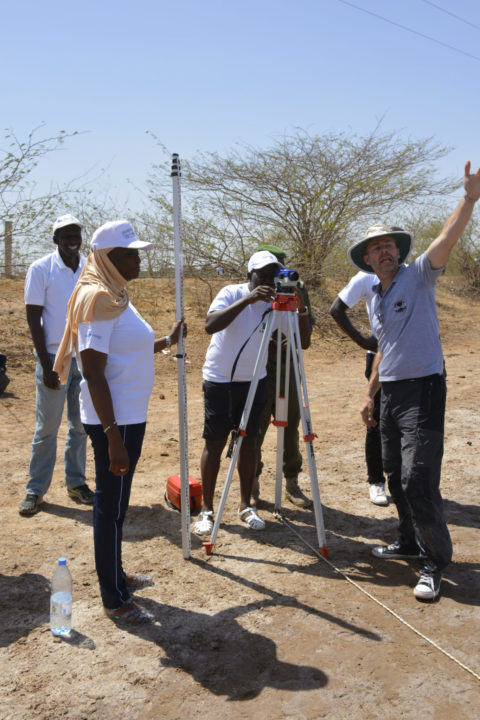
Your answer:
<point x="338" y="311"/>
<point x="220" y="319"/>
<point x="440" y="249"/>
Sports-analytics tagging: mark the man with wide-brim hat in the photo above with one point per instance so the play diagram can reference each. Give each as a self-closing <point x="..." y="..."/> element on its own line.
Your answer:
<point x="410" y="368"/>
<point x="403" y="241"/>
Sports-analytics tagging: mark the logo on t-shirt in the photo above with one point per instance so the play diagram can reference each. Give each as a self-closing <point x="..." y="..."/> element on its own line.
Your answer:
<point x="400" y="306"/>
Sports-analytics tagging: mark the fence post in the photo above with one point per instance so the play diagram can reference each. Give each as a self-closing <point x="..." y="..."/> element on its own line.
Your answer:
<point x="8" y="249"/>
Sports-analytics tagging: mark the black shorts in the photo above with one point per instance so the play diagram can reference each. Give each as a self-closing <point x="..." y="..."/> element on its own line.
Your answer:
<point x="224" y="403"/>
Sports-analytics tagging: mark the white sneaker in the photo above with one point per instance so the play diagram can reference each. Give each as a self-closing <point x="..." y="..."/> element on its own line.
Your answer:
<point x="204" y="525"/>
<point x="377" y="494"/>
<point x="428" y="587"/>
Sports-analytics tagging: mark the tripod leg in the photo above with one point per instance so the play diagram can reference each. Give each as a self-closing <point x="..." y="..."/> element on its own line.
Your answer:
<point x="259" y="367"/>
<point x="218" y="519"/>
<point x="281" y="412"/>
<point x="308" y="434"/>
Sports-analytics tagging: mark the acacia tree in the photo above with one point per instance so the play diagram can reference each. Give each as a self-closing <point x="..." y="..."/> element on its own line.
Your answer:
<point x="30" y="211"/>
<point x="465" y="257"/>
<point x="311" y="191"/>
<point x="20" y="201"/>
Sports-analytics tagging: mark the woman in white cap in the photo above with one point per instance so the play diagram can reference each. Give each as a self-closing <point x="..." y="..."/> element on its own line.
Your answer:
<point x="115" y="348"/>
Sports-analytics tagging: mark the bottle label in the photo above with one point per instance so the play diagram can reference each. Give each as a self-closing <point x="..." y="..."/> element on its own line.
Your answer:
<point x="63" y="608"/>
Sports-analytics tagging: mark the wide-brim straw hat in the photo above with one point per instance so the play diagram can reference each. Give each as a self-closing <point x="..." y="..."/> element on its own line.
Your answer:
<point x="403" y="240"/>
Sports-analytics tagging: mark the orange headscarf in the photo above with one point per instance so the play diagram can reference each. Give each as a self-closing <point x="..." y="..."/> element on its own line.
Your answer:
<point x="100" y="294"/>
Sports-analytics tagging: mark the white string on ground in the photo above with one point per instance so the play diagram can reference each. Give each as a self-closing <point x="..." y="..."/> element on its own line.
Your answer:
<point x="376" y="600"/>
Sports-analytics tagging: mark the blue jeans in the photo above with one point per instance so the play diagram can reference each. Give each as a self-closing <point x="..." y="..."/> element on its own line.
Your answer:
<point x="110" y="504"/>
<point x="49" y="410"/>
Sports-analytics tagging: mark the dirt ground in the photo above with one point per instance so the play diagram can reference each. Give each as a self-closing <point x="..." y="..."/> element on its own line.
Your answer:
<point x="264" y="627"/>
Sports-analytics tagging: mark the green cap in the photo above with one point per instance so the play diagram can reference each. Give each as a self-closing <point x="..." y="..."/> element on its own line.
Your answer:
<point x="274" y="249"/>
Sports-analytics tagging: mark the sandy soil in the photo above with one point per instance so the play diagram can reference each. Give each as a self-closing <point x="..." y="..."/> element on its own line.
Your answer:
<point x="264" y="627"/>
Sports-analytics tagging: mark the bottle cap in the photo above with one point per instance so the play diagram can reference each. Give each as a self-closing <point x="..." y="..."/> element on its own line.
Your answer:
<point x="62" y="561"/>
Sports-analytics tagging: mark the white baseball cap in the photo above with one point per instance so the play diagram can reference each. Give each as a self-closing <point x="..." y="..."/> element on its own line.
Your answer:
<point x="117" y="233"/>
<point x="64" y="221"/>
<point x="261" y="259"/>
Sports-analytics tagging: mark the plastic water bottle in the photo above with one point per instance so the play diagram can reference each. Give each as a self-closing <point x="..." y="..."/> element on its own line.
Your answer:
<point x="61" y="599"/>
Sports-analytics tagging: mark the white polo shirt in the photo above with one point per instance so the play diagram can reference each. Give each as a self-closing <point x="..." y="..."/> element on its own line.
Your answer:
<point x="127" y="341"/>
<point x="225" y="344"/>
<point x="49" y="283"/>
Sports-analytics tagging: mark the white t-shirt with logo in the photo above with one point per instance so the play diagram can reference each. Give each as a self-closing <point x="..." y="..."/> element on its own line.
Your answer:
<point x="225" y="344"/>
<point x="49" y="283"/>
<point x="128" y="343"/>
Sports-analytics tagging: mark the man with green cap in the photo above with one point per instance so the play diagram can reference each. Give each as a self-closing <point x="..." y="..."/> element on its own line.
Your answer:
<point x="292" y="457"/>
<point x="410" y="367"/>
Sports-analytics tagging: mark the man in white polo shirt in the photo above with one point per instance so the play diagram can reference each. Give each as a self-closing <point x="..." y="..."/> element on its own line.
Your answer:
<point x="236" y="321"/>
<point x="48" y="286"/>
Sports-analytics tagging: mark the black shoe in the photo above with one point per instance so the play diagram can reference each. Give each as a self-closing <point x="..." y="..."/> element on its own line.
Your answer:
<point x="29" y="505"/>
<point x="428" y="587"/>
<point x="81" y="494"/>
<point x="396" y="550"/>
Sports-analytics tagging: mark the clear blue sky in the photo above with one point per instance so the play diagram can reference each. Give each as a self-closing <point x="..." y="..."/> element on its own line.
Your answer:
<point x="205" y="74"/>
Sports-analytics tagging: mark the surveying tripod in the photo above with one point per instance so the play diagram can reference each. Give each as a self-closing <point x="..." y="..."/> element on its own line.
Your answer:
<point x="282" y="318"/>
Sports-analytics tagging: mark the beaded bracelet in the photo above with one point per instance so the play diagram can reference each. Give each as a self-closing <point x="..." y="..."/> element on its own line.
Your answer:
<point x="109" y="427"/>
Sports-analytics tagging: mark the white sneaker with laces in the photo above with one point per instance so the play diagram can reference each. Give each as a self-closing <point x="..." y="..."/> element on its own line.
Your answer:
<point x="428" y="587"/>
<point x="204" y="525"/>
<point x="377" y="494"/>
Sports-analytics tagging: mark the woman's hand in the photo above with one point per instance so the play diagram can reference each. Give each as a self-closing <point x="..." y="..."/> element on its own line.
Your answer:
<point x="117" y="453"/>
<point x="175" y="331"/>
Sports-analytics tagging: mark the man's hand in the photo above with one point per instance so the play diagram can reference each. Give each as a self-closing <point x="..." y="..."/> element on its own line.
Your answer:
<point x="471" y="182"/>
<point x="51" y="379"/>
<point x="367" y="412"/>
<point x="339" y="313"/>
<point x="300" y="306"/>
<point x="262" y="293"/>
<point x="369" y="343"/>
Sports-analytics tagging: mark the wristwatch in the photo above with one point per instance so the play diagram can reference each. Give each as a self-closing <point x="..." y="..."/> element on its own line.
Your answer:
<point x="168" y="341"/>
